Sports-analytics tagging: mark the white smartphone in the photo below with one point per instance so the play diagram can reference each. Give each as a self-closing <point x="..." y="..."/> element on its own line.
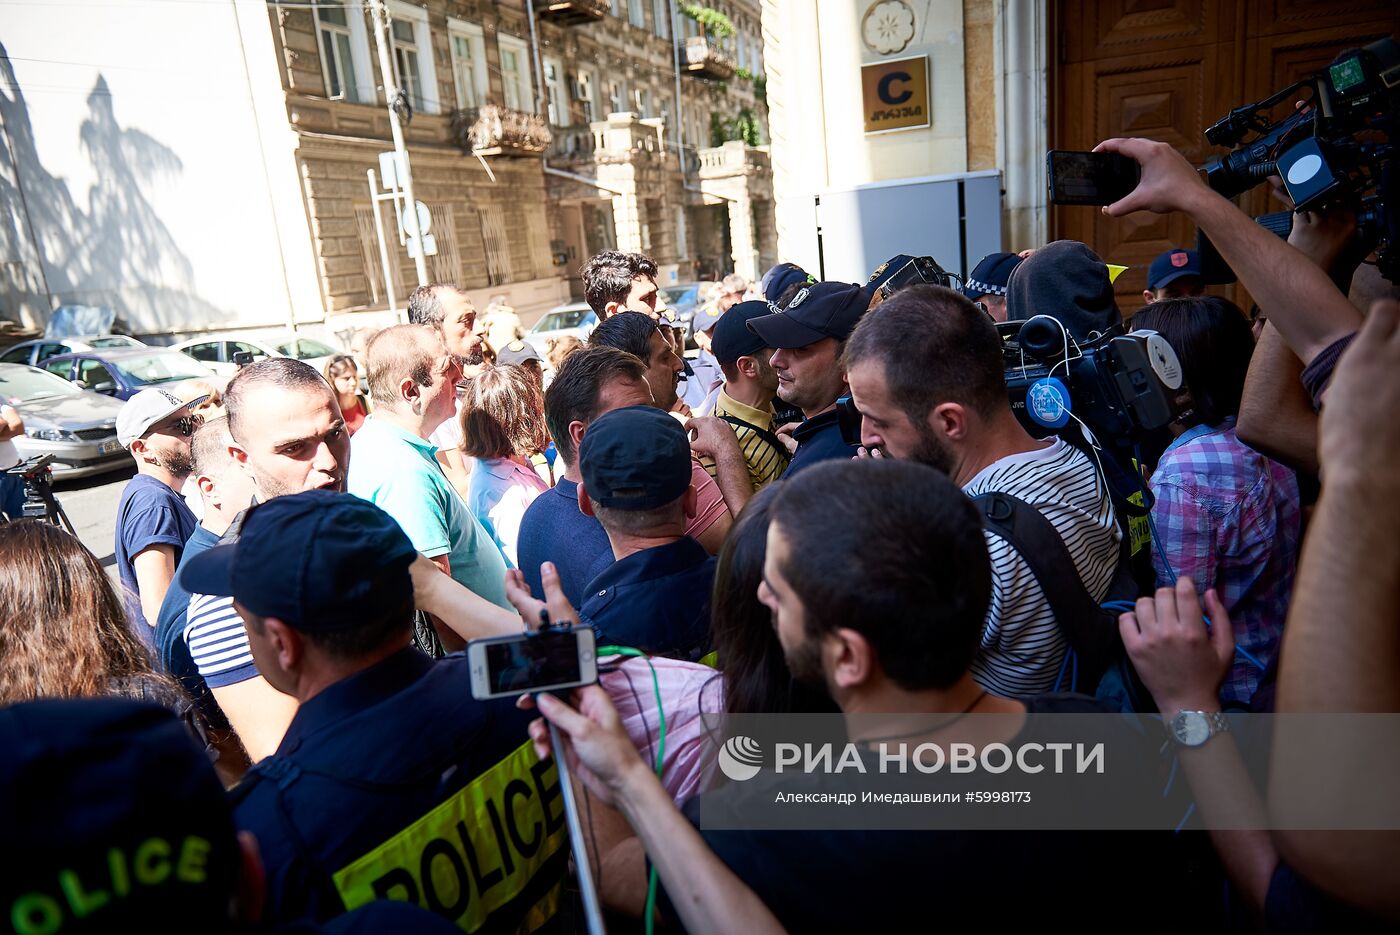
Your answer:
<point x="507" y="666"/>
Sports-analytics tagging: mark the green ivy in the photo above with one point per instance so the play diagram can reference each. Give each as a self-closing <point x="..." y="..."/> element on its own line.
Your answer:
<point x="743" y="126"/>
<point x="713" y="22"/>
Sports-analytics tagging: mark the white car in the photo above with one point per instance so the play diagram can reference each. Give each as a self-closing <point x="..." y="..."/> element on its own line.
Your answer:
<point x="575" y="319"/>
<point x="216" y="351"/>
<point x="36" y="352"/>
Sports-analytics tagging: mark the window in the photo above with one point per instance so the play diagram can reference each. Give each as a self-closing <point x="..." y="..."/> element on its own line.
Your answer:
<point x="643" y="99"/>
<point x="617" y="97"/>
<point x="342" y="33"/>
<point x="16" y="355"/>
<point x="635" y="14"/>
<point x="515" y="74"/>
<point x="411" y="44"/>
<point x="91" y="373"/>
<point x="468" y="63"/>
<point x="661" y="17"/>
<point x="53" y="350"/>
<point x="209" y="353"/>
<point x="59" y="368"/>
<point x="238" y="347"/>
<point x="554" y="84"/>
<point x="583" y="93"/>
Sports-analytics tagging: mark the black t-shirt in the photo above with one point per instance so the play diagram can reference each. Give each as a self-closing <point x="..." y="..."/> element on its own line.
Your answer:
<point x="998" y="880"/>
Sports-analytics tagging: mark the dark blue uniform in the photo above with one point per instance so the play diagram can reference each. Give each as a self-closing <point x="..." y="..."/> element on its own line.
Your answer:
<point x="395" y="783"/>
<point x="818" y="439"/>
<point x="656" y="600"/>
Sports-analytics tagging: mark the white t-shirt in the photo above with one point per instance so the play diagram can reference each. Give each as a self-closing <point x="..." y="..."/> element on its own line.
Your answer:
<point x="1022" y="645"/>
<point x="9" y="454"/>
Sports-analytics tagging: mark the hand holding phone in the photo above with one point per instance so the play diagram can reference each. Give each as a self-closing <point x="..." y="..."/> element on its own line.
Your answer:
<point x="556" y="659"/>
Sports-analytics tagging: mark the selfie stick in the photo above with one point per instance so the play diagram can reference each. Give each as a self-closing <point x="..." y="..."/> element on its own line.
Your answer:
<point x="592" y="913"/>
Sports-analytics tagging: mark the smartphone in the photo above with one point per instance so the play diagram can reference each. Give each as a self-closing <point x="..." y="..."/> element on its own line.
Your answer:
<point x="242" y="358"/>
<point x="1077" y="178"/>
<point x="550" y="660"/>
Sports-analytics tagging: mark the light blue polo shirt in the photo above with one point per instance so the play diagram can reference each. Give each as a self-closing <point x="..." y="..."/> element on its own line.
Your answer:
<point x="399" y="473"/>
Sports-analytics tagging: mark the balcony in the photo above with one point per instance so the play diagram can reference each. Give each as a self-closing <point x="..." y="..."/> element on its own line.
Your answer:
<point x="572" y="12"/>
<point x="572" y="145"/>
<point x="491" y="130"/>
<point x="705" y="59"/>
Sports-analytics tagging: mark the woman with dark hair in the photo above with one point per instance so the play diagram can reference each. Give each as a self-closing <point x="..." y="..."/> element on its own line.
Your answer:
<point x="1225" y="516"/>
<point x="343" y="374"/>
<point x="503" y="428"/>
<point x="63" y="632"/>
<point x="756" y="676"/>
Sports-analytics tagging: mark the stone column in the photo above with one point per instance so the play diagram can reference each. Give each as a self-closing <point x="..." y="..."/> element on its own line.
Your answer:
<point x="742" y="234"/>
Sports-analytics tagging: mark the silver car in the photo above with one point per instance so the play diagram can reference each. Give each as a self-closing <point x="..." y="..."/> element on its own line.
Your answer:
<point x="38" y="351"/>
<point x="77" y="427"/>
<point x="575" y="320"/>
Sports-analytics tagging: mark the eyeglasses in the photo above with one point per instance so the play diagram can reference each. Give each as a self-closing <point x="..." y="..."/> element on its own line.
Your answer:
<point x="185" y="425"/>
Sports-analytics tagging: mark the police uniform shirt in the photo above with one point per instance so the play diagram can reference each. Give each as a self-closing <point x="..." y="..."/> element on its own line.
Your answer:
<point x="395" y="783"/>
<point x="656" y="600"/>
<point x="818" y="439"/>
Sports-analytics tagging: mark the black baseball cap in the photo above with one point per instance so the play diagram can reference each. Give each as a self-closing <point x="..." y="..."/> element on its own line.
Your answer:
<point x="779" y="278"/>
<point x="318" y="561"/>
<point x="518" y="352"/>
<point x="114" y="819"/>
<point x="823" y="310"/>
<point x="636" y="458"/>
<point x="732" y="338"/>
<point x="990" y="276"/>
<point x="1171" y="266"/>
<point x="885" y="270"/>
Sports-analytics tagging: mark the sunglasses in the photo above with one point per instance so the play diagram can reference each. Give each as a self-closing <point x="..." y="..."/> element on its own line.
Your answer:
<point x="185" y="426"/>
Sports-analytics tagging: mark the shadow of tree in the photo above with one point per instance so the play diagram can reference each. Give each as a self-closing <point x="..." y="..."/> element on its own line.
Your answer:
<point x="118" y="252"/>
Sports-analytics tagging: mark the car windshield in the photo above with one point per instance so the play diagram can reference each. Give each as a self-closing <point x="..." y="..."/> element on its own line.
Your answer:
<point x="305" y="349"/>
<point x="115" y="340"/>
<point x="23" y="385"/>
<point x="679" y="295"/>
<point x="566" y="318"/>
<point x="158" y="368"/>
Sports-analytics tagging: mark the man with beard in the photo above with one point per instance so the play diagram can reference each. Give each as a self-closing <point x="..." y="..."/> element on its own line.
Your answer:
<point x="808" y="335"/>
<point x="449" y="311"/>
<point x="288" y="435"/>
<point x="925" y="370"/>
<point x="153" y="522"/>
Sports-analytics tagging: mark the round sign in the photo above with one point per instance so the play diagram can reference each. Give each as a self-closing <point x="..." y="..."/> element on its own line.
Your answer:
<point x="1164" y="361"/>
<point x="425" y="220"/>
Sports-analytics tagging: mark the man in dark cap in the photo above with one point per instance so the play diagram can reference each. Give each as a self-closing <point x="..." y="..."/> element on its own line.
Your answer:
<point x="987" y="284"/>
<point x="523" y="354"/>
<point x="636" y="482"/>
<point x="808" y="336"/>
<point x="356" y="805"/>
<point x="782" y="279"/>
<point x="1174" y="274"/>
<point x="745" y="401"/>
<point x="1068" y="282"/>
<point x="123" y="826"/>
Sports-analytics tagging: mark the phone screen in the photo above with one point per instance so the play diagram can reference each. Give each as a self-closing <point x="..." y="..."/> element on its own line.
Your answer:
<point x="1079" y="178"/>
<point x="529" y="663"/>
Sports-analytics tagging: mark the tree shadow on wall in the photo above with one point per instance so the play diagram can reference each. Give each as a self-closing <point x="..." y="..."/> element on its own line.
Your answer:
<point x="117" y="251"/>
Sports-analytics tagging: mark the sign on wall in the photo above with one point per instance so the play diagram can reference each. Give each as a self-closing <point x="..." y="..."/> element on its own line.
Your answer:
<point x="895" y="94"/>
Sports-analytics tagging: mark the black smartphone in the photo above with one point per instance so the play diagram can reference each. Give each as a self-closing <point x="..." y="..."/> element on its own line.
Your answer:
<point x="242" y="358"/>
<point x="1076" y="178"/>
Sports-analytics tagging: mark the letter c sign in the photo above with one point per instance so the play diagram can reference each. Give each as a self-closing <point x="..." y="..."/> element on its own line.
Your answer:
<point x="884" y="87"/>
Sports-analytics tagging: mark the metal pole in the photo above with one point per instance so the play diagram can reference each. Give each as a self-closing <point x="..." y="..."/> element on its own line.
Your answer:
<point x="535" y="56"/>
<point x="391" y="91"/>
<point x="374" y="200"/>
<point x="680" y="110"/>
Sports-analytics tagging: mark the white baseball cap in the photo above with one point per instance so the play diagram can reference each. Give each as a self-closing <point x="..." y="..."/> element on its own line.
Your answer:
<point x="145" y="409"/>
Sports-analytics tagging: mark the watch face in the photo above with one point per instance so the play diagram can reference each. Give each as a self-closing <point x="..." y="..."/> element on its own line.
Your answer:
<point x="1191" y="728"/>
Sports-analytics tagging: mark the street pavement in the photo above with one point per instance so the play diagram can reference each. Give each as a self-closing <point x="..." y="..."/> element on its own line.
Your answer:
<point x="91" y="505"/>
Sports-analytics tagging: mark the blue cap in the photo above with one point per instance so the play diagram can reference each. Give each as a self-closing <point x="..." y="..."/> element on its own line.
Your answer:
<point x="637" y="458"/>
<point x="991" y="275"/>
<point x="101" y="790"/>
<point x="780" y="278"/>
<point x="887" y="269"/>
<point x="824" y="310"/>
<point x="1171" y="266"/>
<point x="732" y="338"/>
<point x="706" y="317"/>
<point x="317" y="561"/>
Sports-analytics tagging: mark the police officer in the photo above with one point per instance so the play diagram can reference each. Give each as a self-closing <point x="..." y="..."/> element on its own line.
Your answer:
<point x="987" y="284"/>
<point x="391" y="781"/>
<point x="116" y="822"/>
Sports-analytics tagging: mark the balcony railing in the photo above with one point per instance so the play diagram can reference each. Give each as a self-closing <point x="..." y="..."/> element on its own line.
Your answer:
<point x="572" y="12"/>
<point x="491" y="130"/>
<point x="704" y="59"/>
<point x="573" y="144"/>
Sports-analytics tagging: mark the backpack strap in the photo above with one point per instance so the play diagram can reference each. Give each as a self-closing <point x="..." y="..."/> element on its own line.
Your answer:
<point x="762" y="433"/>
<point x="1085" y="624"/>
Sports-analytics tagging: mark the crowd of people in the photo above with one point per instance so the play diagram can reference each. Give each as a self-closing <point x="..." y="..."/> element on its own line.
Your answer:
<point x="831" y="507"/>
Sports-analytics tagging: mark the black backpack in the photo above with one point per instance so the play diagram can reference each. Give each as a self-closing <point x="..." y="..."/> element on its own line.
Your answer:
<point x="1090" y="628"/>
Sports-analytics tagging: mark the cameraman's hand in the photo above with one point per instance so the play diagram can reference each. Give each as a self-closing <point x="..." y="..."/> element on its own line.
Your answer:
<point x="561" y="612"/>
<point x="1329" y="239"/>
<point x="1181" y="663"/>
<point x="1169" y="183"/>
<point x="784" y="433"/>
<point x="1359" y="434"/>
<point x="598" y="749"/>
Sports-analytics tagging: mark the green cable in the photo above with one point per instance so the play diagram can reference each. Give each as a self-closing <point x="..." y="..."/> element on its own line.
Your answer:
<point x="660" y="758"/>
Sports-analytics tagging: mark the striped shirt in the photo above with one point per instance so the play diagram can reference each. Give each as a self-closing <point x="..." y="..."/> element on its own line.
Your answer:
<point x="765" y="462"/>
<point x="1022" y="645"/>
<point x="218" y="642"/>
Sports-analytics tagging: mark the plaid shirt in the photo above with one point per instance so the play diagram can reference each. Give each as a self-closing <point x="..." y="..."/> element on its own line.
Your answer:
<point x="1229" y="518"/>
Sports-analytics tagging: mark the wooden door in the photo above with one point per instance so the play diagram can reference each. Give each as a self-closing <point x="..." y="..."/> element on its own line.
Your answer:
<point x="1167" y="69"/>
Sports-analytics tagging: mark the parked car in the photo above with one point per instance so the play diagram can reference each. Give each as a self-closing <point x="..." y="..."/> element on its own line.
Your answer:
<point x="78" y="428"/>
<point x="125" y="373"/>
<point x="216" y="351"/>
<point x="38" y="351"/>
<point x="573" y="320"/>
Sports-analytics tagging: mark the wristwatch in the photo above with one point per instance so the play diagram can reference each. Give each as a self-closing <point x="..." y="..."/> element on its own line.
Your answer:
<point x="1193" y="728"/>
